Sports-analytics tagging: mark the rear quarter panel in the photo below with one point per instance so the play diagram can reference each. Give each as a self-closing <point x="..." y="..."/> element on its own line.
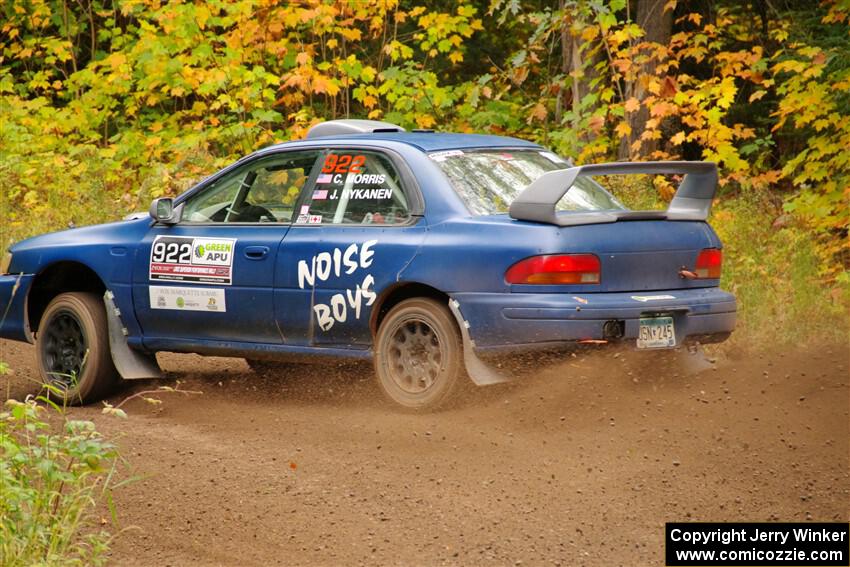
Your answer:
<point x="472" y="254"/>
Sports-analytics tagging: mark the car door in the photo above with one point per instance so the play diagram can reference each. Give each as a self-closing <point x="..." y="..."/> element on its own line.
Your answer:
<point x="210" y="277"/>
<point x="357" y="226"/>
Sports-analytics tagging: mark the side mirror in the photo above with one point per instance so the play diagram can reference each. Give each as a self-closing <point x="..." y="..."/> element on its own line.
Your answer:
<point x="163" y="211"/>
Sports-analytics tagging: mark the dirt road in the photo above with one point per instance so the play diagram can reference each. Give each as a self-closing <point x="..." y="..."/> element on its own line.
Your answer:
<point x="580" y="464"/>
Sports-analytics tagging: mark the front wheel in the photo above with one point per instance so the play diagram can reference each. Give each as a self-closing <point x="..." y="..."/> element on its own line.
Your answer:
<point x="72" y="347"/>
<point x="419" y="355"/>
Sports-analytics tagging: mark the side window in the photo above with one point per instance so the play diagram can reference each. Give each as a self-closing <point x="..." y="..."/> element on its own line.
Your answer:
<point x="355" y="187"/>
<point x="264" y="190"/>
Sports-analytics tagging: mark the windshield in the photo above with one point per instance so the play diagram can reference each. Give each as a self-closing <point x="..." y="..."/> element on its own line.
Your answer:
<point x="488" y="181"/>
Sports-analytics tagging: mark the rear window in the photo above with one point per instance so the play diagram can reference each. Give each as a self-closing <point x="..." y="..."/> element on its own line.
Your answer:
<point x="488" y="181"/>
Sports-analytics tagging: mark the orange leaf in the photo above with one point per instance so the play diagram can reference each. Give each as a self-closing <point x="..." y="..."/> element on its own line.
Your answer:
<point x="668" y="87"/>
<point x="632" y="104"/>
<point x="596" y="123"/>
<point x="661" y="109"/>
<point x="538" y="112"/>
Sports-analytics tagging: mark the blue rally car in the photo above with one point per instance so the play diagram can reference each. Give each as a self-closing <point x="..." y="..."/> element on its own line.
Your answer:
<point x="422" y="251"/>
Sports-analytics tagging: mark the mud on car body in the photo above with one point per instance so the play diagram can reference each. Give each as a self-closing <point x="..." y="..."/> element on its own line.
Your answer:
<point x="419" y="250"/>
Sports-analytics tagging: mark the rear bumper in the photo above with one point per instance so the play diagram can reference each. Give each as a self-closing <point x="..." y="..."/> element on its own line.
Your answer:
<point x="515" y="321"/>
<point x="13" y="307"/>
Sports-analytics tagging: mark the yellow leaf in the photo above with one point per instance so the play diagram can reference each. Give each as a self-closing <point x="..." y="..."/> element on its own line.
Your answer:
<point x="632" y="104"/>
<point x="677" y="138"/>
<point x="664" y="187"/>
<point x="425" y="121"/>
<point x="757" y="95"/>
<point x="727" y="92"/>
<point x="623" y="129"/>
<point x="589" y="33"/>
<point x="654" y="86"/>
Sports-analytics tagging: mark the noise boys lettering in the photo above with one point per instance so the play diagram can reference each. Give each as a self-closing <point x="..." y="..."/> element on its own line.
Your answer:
<point x="326" y="264"/>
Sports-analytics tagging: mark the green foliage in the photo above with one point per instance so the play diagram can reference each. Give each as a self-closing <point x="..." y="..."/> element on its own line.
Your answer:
<point x="775" y="274"/>
<point x="52" y="477"/>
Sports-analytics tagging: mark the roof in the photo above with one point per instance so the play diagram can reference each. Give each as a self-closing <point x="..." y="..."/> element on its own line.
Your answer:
<point x="436" y="141"/>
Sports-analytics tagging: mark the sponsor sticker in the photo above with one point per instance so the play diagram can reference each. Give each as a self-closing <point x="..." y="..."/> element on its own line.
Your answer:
<point x="366" y="178"/>
<point x="343" y="163"/>
<point x="645" y="298"/>
<point x="443" y="156"/>
<point x="305" y="209"/>
<point x="188" y="299"/>
<point x="315" y="219"/>
<point x="364" y="194"/>
<point x="192" y="259"/>
<point x="302" y="219"/>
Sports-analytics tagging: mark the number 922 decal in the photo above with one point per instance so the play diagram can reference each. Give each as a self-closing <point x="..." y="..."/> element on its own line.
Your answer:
<point x="192" y="259"/>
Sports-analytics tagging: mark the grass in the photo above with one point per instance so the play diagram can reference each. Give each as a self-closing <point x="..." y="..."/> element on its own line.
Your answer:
<point x="786" y="293"/>
<point x="53" y="476"/>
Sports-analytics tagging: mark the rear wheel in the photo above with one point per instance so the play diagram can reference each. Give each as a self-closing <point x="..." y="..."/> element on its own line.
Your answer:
<point x="72" y="346"/>
<point x="419" y="355"/>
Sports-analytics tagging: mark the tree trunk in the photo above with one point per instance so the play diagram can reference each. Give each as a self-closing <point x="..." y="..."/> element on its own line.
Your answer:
<point x="657" y="24"/>
<point x="566" y="59"/>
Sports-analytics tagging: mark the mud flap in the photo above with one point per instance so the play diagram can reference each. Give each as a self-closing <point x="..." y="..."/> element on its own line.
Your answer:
<point x="130" y="364"/>
<point x="479" y="371"/>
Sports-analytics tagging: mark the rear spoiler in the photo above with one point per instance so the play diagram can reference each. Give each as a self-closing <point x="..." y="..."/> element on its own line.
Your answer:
<point x="692" y="200"/>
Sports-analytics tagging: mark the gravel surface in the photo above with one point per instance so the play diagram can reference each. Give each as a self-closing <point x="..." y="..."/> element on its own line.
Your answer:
<point x="579" y="463"/>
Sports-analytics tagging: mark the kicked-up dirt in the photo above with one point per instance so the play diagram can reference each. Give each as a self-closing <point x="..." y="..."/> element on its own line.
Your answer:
<point x="581" y="463"/>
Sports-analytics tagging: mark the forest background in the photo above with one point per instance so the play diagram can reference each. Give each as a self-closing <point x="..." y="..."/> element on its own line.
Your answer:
<point x="105" y="105"/>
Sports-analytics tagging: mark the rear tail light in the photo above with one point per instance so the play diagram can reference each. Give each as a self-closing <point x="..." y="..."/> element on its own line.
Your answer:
<point x="555" y="269"/>
<point x="709" y="264"/>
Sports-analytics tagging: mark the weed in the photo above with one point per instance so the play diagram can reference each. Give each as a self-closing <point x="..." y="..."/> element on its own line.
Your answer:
<point x="53" y="476"/>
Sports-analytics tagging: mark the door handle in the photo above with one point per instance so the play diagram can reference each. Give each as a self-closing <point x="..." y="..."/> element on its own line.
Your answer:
<point x="256" y="252"/>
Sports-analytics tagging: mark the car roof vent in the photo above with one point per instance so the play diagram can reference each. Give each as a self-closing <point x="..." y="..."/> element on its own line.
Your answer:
<point x="341" y="127"/>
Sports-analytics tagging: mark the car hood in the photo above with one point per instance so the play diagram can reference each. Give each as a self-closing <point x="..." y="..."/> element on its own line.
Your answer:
<point x="119" y="232"/>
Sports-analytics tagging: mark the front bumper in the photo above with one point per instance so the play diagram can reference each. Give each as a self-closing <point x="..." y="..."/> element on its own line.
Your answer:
<point x="516" y="321"/>
<point x="13" y="307"/>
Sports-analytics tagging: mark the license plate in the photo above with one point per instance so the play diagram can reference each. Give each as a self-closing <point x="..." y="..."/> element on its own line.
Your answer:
<point x="656" y="332"/>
